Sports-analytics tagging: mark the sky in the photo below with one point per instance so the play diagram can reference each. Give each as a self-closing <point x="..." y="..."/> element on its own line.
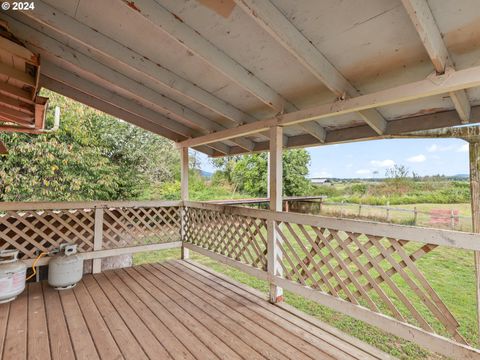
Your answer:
<point x="372" y="158"/>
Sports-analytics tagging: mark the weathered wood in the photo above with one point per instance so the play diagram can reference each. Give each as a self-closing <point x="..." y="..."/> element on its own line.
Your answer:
<point x="474" y="155"/>
<point x="276" y="193"/>
<point x="38" y="341"/>
<point x="184" y="194"/>
<point x="98" y="240"/>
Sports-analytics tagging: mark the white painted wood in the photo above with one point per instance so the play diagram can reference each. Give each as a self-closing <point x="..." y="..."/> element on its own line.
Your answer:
<point x="193" y="41"/>
<point x="426" y="26"/>
<point x="430" y="341"/>
<point x="433" y="85"/>
<point x="102" y="99"/>
<point x="56" y="51"/>
<point x="281" y="29"/>
<point x="114" y="252"/>
<point x="275" y="193"/>
<point x="184" y="163"/>
<point x="103" y="47"/>
<point x="462" y="105"/>
<point x="98" y="239"/>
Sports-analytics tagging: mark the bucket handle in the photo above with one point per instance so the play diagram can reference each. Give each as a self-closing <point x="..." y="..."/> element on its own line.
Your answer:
<point x="8" y="256"/>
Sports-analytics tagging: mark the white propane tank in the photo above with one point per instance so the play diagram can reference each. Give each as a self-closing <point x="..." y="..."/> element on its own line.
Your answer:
<point x="65" y="269"/>
<point x="12" y="275"/>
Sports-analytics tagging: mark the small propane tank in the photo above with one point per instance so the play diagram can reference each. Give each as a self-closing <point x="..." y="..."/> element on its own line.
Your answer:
<point x="65" y="269"/>
<point x="12" y="275"/>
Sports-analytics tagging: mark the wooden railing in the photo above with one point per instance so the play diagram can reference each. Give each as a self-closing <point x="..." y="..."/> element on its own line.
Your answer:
<point x="100" y="229"/>
<point x="367" y="270"/>
<point x="363" y="269"/>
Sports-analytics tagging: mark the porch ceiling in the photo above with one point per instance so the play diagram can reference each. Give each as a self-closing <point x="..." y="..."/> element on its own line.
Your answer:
<point x="186" y="69"/>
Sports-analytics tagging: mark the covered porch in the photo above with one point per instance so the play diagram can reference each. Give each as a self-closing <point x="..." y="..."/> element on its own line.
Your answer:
<point x="237" y="77"/>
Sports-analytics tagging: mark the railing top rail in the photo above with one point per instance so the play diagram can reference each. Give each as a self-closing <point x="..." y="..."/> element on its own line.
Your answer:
<point x="12" y="206"/>
<point x="455" y="239"/>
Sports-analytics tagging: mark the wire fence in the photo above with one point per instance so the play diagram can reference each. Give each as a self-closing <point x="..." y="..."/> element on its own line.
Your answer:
<point x="438" y="218"/>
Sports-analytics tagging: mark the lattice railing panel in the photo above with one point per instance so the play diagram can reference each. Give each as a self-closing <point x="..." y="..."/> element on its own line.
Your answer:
<point x="29" y="231"/>
<point x="124" y="227"/>
<point x="242" y="238"/>
<point x="376" y="272"/>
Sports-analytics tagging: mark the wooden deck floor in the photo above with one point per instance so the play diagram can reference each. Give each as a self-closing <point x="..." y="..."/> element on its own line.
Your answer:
<point x="170" y="310"/>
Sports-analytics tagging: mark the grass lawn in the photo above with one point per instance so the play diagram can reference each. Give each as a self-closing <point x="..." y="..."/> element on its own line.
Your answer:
<point x="450" y="273"/>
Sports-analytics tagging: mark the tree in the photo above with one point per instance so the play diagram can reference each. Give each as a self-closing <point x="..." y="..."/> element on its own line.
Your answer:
<point x="249" y="172"/>
<point x="93" y="156"/>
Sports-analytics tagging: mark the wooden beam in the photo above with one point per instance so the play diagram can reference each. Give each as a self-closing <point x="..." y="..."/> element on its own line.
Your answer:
<point x="184" y="195"/>
<point x="175" y="130"/>
<point x="426" y="26"/>
<point x="113" y="110"/>
<point x="434" y="85"/>
<point x="60" y="53"/>
<point x="280" y="28"/>
<point x="103" y="47"/>
<point x="193" y="41"/>
<point x="276" y="204"/>
<point x="474" y="156"/>
<point x="21" y="76"/>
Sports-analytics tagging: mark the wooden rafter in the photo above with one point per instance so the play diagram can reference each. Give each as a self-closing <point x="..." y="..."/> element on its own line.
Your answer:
<point x="434" y="85"/>
<point x="173" y="26"/>
<point x="426" y="26"/>
<point x="279" y="27"/>
<point x="114" y="110"/>
<point x="56" y="51"/>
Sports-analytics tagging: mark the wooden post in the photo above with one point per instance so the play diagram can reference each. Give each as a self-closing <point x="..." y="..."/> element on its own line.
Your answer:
<point x="475" y="203"/>
<point x="359" y="210"/>
<point x="388" y="211"/>
<point x="275" y="189"/>
<point x="415" y="215"/>
<point x="184" y="195"/>
<point x="97" y="240"/>
<point x="452" y="219"/>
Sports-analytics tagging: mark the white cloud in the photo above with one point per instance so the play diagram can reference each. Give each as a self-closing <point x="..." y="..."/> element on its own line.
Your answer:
<point x="383" y="163"/>
<point x="363" y="172"/>
<point x="463" y="148"/>
<point x="417" y="158"/>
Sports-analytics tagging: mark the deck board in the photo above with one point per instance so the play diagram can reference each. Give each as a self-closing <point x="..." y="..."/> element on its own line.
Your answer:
<point x="176" y="310"/>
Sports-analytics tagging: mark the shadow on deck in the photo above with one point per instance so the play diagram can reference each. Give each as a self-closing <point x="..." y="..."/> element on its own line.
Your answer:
<point x="176" y="309"/>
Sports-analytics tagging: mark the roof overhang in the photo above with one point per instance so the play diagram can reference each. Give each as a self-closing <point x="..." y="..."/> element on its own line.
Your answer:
<point x="216" y="77"/>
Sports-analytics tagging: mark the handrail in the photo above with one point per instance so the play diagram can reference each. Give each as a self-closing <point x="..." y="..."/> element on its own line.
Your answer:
<point x="12" y="206"/>
<point x="450" y="238"/>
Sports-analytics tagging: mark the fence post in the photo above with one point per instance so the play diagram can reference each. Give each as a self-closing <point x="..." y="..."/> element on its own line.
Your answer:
<point x="97" y="240"/>
<point x="452" y="219"/>
<point x="275" y="194"/>
<point x="415" y="215"/>
<point x="359" y="210"/>
<point x="388" y="211"/>
<point x="184" y="197"/>
<point x="320" y="206"/>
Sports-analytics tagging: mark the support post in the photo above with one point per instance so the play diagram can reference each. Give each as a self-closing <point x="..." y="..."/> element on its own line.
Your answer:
<point x="184" y="195"/>
<point x="275" y="195"/>
<point x="97" y="240"/>
<point x="415" y="216"/>
<point x="475" y="203"/>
